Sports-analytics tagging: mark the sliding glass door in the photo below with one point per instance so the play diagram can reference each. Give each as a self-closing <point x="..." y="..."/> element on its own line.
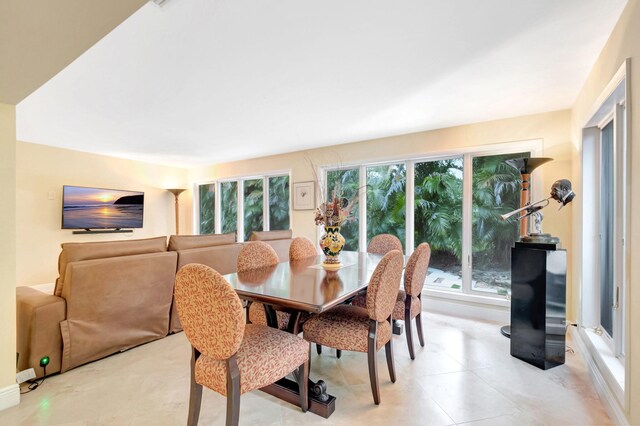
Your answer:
<point x="495" y="191"/>
<point x="345" y="183"/>
<point x="386" y="200"/>
<point x="438" y="219"/>
<point x="453" y="203"/>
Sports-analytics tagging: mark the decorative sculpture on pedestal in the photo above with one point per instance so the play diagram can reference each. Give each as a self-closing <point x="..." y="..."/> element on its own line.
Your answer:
<point x="562" y="193"/>
<point x="526" y="166"/>
<point x="538" y="278"/>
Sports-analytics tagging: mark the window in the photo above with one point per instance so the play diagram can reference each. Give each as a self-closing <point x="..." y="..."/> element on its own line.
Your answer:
<point x="386" y="201"/>
<point x="346" y="183"/>
<point x="206" y="194"/>
<point x="278" y="203"/>
<point x="244" y="205"/>
<point x="605" y="228"/>
<point x="607" y="290"/>
<point x="453" y="203"/>
<point x="253" y="207"/>
<point x="228" y="207"/>
<point x="438" y="219"/>
<point x="495" y="190"/>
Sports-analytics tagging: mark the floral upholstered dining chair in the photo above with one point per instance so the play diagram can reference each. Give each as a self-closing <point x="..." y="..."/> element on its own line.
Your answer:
<point x="229" y="357"/>
<point x="408" y="304"/>
<point x="302" y="248"/>
<point x="260" y="255"/>
<point x="380" y="244"/>
<point x="383" y="244"/>
<point x="368" y="329"/>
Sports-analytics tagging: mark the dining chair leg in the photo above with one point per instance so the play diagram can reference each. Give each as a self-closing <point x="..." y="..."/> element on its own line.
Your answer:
<point x="407" y="326"/>
<point x="293" y="326"/>
<point x="248" y="321"/>
<point x="303" y="385"/>
<point x="338" y="353"/>
<point x="233" y="392"/>
<point x="195" y="393"/>
<point x="419" y="323"/>
<point x="271" y="316"/>
<point x="373" y="369"/>
<point x="388" y="350"/>
<point x="318" y="349"/>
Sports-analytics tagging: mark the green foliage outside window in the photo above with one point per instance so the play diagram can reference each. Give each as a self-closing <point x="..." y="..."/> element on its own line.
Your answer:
<point x="279" y="203"/>
<point x="252" y="207"/>
<point x="438" y="209"/>
<point x="229" y="207"/>
<point x="386" y="201"/>
<point x="207" y="208"/>
<point x="346" y="183"/>
<point x="496" y="190"/>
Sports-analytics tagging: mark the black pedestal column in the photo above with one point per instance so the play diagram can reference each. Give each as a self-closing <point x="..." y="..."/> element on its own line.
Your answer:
<point x="538" y="304"/>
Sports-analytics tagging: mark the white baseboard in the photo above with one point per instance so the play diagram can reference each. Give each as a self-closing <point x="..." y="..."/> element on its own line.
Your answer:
<point x="615" y="411"/>
<point x="466" y="309"/>
<point x="9" y="396"/>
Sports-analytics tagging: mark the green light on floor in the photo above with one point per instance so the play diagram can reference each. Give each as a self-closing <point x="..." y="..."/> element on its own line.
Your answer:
<point x="44" y="361"/>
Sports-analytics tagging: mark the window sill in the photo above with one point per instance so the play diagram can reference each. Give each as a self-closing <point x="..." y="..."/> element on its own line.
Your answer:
<point x="613" y="370"/>
<point x="500" y="301"/>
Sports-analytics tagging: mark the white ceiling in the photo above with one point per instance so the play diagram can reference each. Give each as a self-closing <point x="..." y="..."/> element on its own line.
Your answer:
<point x="203" y="81"/>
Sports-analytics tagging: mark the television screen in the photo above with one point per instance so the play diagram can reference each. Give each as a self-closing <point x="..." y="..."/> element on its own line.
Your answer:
<point x="97" y="208"/>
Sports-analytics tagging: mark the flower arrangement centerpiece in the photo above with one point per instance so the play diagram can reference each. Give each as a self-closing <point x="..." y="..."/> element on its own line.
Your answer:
<point x="332" y="214"/>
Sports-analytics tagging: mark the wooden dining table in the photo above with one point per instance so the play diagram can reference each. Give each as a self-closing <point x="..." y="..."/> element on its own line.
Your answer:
<point x="301" y="288"/>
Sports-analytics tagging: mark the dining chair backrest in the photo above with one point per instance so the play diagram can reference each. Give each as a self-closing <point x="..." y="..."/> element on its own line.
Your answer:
<point x="301" y="248"/>
<point x="383" y="244"/>
<point x="384" y="285"/>
<point x="210" y="311"/>
<point x="416" y="270"/>
<point x="256" y="254"/>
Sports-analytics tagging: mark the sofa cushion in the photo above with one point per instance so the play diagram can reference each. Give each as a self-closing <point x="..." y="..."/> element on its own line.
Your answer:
<point x="185" y="242"/>
<point x="271" y="235"/>
<point x="73" y="252"/>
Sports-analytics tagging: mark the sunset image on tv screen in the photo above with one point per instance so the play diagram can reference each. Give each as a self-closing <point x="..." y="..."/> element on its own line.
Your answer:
<point x="95" y="208"/>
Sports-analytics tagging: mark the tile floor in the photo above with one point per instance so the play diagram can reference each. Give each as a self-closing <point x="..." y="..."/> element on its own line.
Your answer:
<point x="464" y="375"/>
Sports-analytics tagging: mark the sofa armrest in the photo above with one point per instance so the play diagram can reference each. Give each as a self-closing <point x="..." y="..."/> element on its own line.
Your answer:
<point x="38" y="329"/>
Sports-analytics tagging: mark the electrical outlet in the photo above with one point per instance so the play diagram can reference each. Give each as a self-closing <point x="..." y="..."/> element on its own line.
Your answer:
<point x="51" y="195"/>
<point x="25" y="375"/>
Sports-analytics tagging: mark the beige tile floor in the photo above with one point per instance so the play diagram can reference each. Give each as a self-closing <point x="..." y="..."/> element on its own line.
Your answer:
<point x="464" y="375"/>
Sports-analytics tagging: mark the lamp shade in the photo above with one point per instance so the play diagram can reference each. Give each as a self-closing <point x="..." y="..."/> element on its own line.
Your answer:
<point x="527" y="165"/>
<point x="176" y="191"/>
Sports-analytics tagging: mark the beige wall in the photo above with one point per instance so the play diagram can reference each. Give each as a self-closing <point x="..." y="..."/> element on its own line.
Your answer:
<point x="7" y="248"/>
<point x="623" y="43"/>
<point x="553" y="128"/>
<point x="42" y="170"/>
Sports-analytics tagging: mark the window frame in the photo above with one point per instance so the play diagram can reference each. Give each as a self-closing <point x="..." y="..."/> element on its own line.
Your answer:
<point x="608" y="354"/>
<point x="617" y="116"/>
<point x="240" y="179"/>
<point x="466" y="292"/>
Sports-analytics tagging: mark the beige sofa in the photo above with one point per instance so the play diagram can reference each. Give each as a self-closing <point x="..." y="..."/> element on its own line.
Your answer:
<point x="111" y="296"/>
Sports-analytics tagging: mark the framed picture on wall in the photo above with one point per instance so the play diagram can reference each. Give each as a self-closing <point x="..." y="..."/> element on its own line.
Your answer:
<point x="304" y="195"/>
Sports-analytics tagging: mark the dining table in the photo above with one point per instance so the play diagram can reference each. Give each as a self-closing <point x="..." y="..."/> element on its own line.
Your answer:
<point x="303" y="288"/>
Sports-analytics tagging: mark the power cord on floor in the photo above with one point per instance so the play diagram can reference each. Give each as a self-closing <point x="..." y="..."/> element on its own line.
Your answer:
<point x="568" y="349"/>
<point x="33" y="384"/>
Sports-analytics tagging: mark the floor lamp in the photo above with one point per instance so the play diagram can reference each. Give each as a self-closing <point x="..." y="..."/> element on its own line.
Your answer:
<point x="176" y="193"/>
<point x="525" y="166"/>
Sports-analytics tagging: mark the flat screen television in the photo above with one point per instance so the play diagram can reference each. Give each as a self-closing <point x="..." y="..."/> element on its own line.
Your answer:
<point x="98" y="208"/>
